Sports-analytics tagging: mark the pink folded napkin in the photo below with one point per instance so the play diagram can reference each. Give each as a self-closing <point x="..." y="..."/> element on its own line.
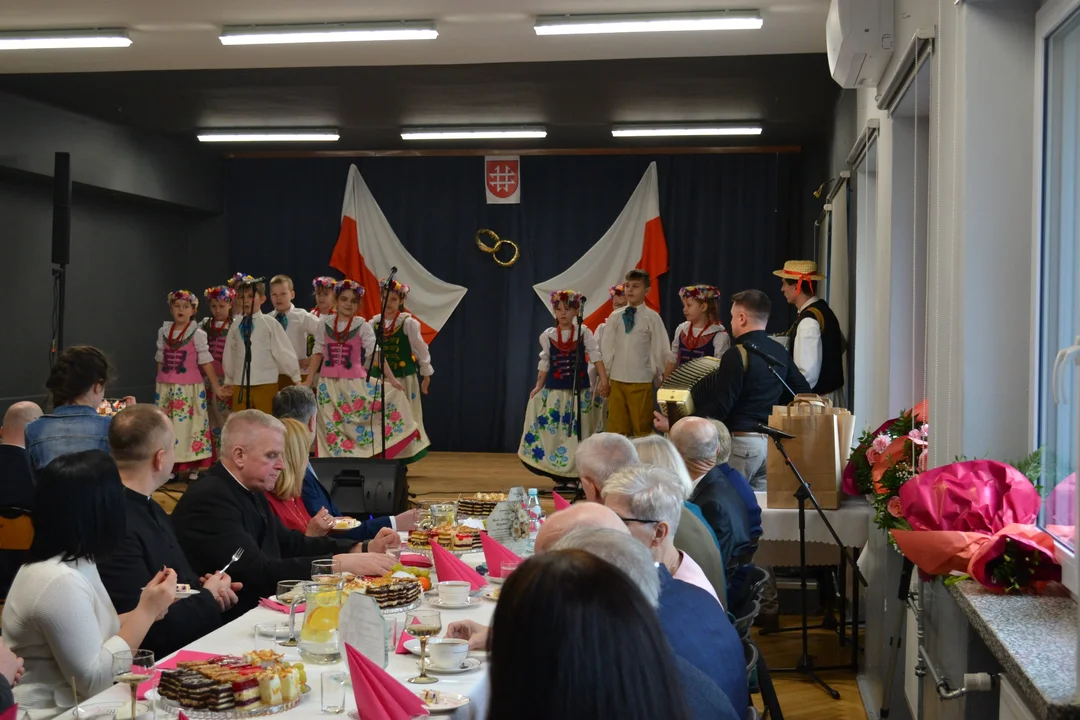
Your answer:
<point x="495" y="554"/>
<point x="559" y="501"/>
<point x="448" y="567"/>
<point x="378" y="695"/>
<point x="182" y="715"/>
<point x="401" y="642"/>
<point x="12" y="713"/>
<point x="279" y="606"/>
<point x="413" y="560"/>
<point x="179" y="657"/>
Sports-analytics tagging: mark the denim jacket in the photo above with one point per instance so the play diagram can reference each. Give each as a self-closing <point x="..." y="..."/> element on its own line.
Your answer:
<point x="69" y="429"/>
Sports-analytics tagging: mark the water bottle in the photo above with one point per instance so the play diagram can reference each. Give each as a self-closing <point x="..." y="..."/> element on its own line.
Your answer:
<point x="536" y="516"/>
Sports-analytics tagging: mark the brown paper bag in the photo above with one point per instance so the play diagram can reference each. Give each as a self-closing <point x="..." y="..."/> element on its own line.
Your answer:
<point x="820" y="450"/>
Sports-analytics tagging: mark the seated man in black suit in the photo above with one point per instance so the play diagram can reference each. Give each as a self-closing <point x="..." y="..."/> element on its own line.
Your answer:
<point x="16" y="478"/>
<point x="142" y="443"/>
<point x="226" y="509"/>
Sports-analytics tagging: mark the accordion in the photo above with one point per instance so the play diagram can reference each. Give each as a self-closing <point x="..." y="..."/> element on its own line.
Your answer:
<point x="676" y="395"/>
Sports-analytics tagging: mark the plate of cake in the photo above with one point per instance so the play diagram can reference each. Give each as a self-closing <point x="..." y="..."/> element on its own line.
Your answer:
<point x="392" y="594"/>
<point x="439" y="701"/>
<point x="257" y="683"/>
<point x="479" y="505"/>
<point x="458" y="539"/>
<point x="346" y="523"/>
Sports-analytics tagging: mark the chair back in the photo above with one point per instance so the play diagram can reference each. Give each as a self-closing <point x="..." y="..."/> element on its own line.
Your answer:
<point x="16" y="535"/>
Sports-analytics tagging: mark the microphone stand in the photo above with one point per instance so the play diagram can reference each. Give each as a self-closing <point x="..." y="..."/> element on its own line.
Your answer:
<point x="805" y="665"/>
<point x="245" y="375"/>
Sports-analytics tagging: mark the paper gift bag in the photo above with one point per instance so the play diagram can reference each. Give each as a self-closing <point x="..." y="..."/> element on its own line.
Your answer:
<point x="820" y="450"/>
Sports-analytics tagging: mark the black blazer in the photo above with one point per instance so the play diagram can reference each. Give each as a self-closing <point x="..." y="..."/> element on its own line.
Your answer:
<point x="217" y="515"/>
<point x="724" y="510"/>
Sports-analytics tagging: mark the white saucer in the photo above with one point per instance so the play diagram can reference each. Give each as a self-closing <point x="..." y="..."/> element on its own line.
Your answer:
<point x="440" y="603"/>
<point x="492" y="580"/>
<point x="413" y="646"/>
<point x="447" y="702"/>
<point x="467" y="665"/>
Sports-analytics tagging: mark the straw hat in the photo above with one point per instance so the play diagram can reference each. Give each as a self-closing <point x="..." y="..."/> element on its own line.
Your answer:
<point x="799" y="270"/>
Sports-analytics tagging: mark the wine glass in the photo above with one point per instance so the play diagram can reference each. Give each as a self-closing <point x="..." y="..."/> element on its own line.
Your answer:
<point x="290" y="593"/>
<point x="423" y="624"/>
<point x="133" y="668"/>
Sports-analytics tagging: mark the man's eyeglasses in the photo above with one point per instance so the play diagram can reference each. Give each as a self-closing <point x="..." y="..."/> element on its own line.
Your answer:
<point x="638" y="520"/>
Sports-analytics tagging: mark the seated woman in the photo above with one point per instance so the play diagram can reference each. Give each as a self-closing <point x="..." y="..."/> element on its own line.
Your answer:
<point x="58" y="616"/>
<point x="587" y="622"/>
<point x="76" y="387"/>
<point x="285" y="498"/>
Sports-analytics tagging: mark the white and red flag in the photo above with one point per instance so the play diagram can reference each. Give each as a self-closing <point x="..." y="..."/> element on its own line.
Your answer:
<point x="367" y="248"/>
<point x="502" y="179"/>
<point x="635" y="240"/>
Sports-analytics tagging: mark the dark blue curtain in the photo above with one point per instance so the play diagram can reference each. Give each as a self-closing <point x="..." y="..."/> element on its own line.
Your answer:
<point x="730" y="220"/>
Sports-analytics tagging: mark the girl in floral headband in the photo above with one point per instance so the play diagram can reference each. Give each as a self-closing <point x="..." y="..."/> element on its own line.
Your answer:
<point x="701" y="334"/>
<point x="182" y="350"/>
<point x="407" y="354"/>
<point x="554" y="422"/>
<point x="324" y="296"/>
<point x="351" y="409"/>
<point x="216" y="327"/>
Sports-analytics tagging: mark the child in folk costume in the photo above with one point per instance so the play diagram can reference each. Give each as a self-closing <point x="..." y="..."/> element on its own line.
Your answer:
<point x="235" y="282"/>
<point x="272" y="354"/>
<point x="553" y="425"/>
<point x="298" y="324"/>
<point x="406" y="353"/>
<point x="182" y="351"/>
<point x="350" y="416"/>
<point x="701" y="334"/>
<point x="323" y="288"/>
<point x="635" y="350"/>
<point x="216" y="328"/>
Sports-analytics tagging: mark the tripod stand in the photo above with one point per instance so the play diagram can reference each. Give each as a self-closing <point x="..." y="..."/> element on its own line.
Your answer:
<point x="805" y="664"/>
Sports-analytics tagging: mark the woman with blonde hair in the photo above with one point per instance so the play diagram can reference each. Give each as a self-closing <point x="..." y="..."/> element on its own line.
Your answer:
<point x="285" y="498"/>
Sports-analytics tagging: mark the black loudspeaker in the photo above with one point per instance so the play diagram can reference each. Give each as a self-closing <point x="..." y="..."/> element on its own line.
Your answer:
<point x="364" y="488"/>
<point x="61" y="230"/>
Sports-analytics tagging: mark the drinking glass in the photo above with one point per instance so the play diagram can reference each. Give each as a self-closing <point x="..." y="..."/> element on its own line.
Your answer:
<point x="268" y="633"/>
<point x="443" y="514"/>
<point x="423" y="624"/>
<point x="322" y="571"/>
<point x="291" y="593"/>
<point x="423" y="515"/>
<point x="508" y="567"/>
<point x="333" y="691"/>
<point x="133" y="668"/>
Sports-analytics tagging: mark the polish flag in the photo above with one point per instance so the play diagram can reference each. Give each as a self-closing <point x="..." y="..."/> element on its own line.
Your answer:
<point x="366" y="250"/>
<point x="635" y="240"/>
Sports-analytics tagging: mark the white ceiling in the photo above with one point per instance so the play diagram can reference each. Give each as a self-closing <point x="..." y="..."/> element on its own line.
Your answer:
<point x="182" y="34"/>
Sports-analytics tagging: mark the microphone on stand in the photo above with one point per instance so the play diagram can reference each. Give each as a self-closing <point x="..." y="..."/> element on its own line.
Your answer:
<point x="773" y="432"/>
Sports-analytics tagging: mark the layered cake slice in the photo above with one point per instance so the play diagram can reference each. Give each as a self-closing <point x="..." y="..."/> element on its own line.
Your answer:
<point x="480" y="504"/>
<point x="246" y="692"/>
<point x="388" y="592"/>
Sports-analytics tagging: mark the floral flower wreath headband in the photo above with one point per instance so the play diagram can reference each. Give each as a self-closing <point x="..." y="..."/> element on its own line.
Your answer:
<point x="343" y="285"/>
<point x="220" y="292"/>
<point x="571" y="298"/>
<point x="240" y="279"/>
<point x="704" y="293"/>
<point x="619" y="290"/>
<point x="399" y="287"/>
<point x="180" y="295"/>
<point x="323" y="282"/>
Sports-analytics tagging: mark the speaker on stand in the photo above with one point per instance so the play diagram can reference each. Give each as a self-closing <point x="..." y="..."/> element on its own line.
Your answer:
<point x="61" y="246"/>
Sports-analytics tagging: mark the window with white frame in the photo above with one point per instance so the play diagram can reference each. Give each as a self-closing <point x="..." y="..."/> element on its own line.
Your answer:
<point x="1058" y="338"/>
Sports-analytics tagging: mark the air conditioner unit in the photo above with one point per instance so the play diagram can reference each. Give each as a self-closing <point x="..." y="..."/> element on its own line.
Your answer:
<point x="859" y="41"/>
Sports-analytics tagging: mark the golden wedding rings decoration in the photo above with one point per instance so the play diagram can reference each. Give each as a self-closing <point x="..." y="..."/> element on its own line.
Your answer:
<point x="494" y="249"/>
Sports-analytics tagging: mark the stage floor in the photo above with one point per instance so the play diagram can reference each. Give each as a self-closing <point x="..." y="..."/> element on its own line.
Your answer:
<point x="447" y="476"/>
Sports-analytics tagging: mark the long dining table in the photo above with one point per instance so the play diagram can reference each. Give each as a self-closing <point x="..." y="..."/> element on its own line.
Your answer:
<point x="238" y="637"/>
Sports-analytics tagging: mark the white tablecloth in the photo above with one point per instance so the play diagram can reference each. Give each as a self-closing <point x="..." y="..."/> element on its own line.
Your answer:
<point x="779" y="544"/>
<point x="238" y="636"/>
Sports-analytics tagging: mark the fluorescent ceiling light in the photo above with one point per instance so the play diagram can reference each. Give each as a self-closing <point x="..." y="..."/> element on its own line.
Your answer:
<point x="473" y="133"/>
<point x="63" y="39"/>
<point x="270" y="135"/>
<point x="647" y="22"/>
<point x="330" y="32"/>
<point x="681" y="131"/>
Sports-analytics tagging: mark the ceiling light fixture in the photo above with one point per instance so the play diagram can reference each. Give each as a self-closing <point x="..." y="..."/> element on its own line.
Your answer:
<point x="473" y="133"/>
<point x="327" y="33"/>
<point x="270" y="135"/>
<point x="64" y="39"/>
<point x="647" y="22"/>
<point x="682" y="130"/>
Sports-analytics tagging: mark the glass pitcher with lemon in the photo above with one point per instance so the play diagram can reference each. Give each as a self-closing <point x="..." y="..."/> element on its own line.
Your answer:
<point x="319" y="635"/>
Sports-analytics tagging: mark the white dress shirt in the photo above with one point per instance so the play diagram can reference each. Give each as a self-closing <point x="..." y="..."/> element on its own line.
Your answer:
<point x="417" y="345"/>
<point x="720" y="341"/>
<point x="202" y="343"/>
<point x="553" y="333"/>
<point x="271" y="353"/>
<point x="638" y="356"/>
<point x="807" y="351"/>
<point x="300" y="323"/>
<point x="59" y="619"/>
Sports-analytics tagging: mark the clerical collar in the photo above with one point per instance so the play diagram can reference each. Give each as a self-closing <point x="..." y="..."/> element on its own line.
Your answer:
<point x="235" y="478"/>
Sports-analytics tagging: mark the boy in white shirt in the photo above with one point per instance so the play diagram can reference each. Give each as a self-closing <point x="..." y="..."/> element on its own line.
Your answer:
<point x="298" y="324"/>
<point x="634" y="347"/>
<point x="271" y="352"/>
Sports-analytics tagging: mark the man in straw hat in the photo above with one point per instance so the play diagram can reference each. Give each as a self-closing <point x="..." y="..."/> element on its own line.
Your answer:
<point x="815" y="340"/>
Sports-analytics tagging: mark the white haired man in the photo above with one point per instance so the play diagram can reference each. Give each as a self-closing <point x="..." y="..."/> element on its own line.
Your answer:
<point x="600" y="455"/>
